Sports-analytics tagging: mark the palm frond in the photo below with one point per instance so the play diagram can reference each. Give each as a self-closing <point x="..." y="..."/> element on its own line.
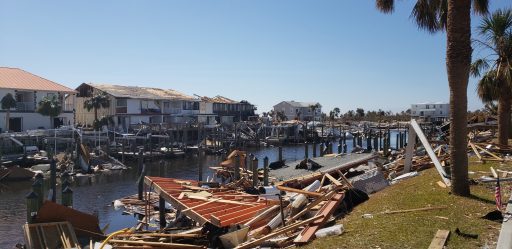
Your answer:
<point x="481" y="7"/>
<point x="385" y="6"/>
<point x="478" y="66"/>
<point x="488" y="88"/>
<point x="426" y="14"/>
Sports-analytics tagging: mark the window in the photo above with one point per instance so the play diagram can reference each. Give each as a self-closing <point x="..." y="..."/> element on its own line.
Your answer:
<point x="434" y="107"/>
<point x="166" y="105"/>
<point x="121" y="102"/>
<point x="428" y="107"/>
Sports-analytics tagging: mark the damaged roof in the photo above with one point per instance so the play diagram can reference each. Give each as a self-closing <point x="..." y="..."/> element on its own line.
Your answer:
<point x="15" y="78"/>
<point x="301" y="104"/>
<point x="219" y="99"/>
<point x="136" y="92"/>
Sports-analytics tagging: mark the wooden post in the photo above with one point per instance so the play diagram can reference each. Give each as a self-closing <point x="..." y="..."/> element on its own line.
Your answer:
<point x="340" y="147"/>
<point x="314" y="149"/>
<point x="376" y="143"/>
<point x="280" y="153"/>
<point x="368" y="143"/>
<point x="150" y="145"/>
<point x="122" y="150"/>
<point x="67" y="197"/>
<point x="64" y="181"/>
<point x="397" y="142"/>
<point x="255" y="172"/>
<point x="306" y="150"/>
<point x="142" y="174"/>
<point x="200" y="163"/>
<point x="237" y="167"/>
<point x="161" y="211"/>
<point x="37" y="187"/>
<point x="32" y="206"/>
<point x="53" y="180"/>
<point x="265" y="171"/>
<point x="345" y="148"/>
<point x="321" y="149"/>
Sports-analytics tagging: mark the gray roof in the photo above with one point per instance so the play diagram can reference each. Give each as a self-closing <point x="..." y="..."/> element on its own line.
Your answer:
<point x="300" y="104"/>
<point x="136" y="92"/>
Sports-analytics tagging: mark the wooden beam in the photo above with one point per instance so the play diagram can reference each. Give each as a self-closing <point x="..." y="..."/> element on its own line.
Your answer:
<point x="157" y="244"/>
<point x="311" y="205"/>
<point x="300" y="191"/>
<point x="414" y="210"/>
<point x="490" y="153"/>
<point x="285" y="229"/>
<point x="475" y="150"/>
<point x="333" y="180"/>
<point x="439" y="239"/>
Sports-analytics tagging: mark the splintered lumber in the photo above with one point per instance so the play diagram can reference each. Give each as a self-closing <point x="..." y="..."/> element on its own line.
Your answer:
<point x="490" y="153"/>
<point x="156" y="244"/>
<point x="326" y="212"/>
<point x="430" y="152"/>
<point x="311" y="205"/>
<point x="414" y="210"/>
<point x="494" y="173"/>
<point x="50" y="235"/>
<point x="262" y="215"/>
<point x="475" y="150"/>
<point x="333" y="180"/>
<point x="251" y="244"/>
<point x="439" y="239"/>
<point x="166" y="235"/>
<point x="300" y="191"/>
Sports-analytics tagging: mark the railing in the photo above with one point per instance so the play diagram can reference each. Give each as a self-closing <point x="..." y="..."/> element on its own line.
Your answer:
<point x="25" y="106"/>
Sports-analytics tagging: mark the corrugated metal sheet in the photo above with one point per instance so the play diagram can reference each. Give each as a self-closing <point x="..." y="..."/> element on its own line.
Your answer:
<point x="136" y="92"/>
<point x="15" y="78"/>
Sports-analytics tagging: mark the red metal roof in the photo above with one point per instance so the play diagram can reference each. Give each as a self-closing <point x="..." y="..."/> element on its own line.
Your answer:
<point x="223" y="208"/>
<point x="15" y="78"/>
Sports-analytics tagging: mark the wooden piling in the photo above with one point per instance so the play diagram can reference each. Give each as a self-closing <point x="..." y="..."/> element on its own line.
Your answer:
<point x="306" y="150"/>
<point x="200" y="164"/>
<point x="161" y="211"/>
<point x="53" y="180"/>
<point x="38" y="188"/>
<point x="255" y="172"/>
<point x="345" y="148"/>
<point x="237" y="167"/>
<point x="32" y="206"/>
<point x="321" y="149"/>
<point x="265" y="171"/>
<point x="397" y="142"/>
<point x="314" y="149"/>
<point x="141" y="174"/>
<point x="67" y="197"/>
<point x="280" y="153"/>
<point x="339" y="148"/>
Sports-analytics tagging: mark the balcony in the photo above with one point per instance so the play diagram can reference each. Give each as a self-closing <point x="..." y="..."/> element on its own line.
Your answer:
<point x="25" y="106"/>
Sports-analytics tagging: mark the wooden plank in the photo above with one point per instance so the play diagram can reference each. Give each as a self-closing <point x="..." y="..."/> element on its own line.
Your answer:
<point x="254" y="243"/>
<point x="333" y="180"/>
<point x="475" y="150"/>
<point x="431" y="153"/>
<point x="326" y="212"/>
<point x="494" y="173"/>
<point x="409" y="150"/>
<point x="505" y="240"/>
<point x="300" y="191"/>
<point x="156" y="244"/>
<point x="490" y="153"/>
<point x="311" y="205"/>
<point x="439" y="239"/>
<point x="414" y="210"/>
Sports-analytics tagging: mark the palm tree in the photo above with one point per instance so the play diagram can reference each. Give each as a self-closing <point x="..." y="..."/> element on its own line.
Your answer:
<point x="50" y="107"/>
<point x="336" y="111"/>
<point x="454" y="16"/>
<point x="97" y="101"/>
<point x="313" y="109"/>
<point x="8" y="102"/>
<point x="496" y="83"/>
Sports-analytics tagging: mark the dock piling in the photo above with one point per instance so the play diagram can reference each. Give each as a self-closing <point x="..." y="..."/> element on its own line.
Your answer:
<point x="37" y="187"/>
<point x="265" y="171"/>
<point x="314" y="149"/>
<point x="255" y="172"/>
<point x="161" y="210"/>
<point x="306" y="150"/>
<point x="32" y="206"/>
<point x="67" y="197"/>
<point x="280" y="153"/>
<point x="53" y="180"/>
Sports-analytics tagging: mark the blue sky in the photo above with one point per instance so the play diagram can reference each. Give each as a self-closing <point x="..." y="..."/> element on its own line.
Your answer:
<point x="343" y="54"/>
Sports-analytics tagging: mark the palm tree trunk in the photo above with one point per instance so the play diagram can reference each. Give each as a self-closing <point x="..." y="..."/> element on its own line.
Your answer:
<point x="458" y="59"/>
<point x="504" y="117"/>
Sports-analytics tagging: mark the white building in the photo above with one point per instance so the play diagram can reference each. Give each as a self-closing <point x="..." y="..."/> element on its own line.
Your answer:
<point x="430" y="112"/>
<point x="29" y="90"/>
<point x="299" y="110"/>
<point x="131" y="105"/>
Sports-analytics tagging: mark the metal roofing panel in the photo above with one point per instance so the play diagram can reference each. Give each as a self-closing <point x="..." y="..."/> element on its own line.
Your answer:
<point x="15" y="78"/>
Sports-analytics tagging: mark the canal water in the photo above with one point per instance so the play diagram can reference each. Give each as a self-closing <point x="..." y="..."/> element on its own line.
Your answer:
<point x="95" y="194"/>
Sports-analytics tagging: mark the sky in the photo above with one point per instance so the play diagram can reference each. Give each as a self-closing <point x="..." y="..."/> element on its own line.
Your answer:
<point x="342" y="54"/>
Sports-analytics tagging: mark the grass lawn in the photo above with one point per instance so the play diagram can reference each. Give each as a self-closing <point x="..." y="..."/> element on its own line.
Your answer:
<point x="417" y="229"/>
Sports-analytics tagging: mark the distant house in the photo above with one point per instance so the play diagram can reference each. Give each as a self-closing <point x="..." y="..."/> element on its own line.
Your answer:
<point x="431" y="112"/>
<point x="28" y="90"/>
<point x="135" y="105"/>
<point x="299" y="110"/>
<point x="228" y="110"/>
